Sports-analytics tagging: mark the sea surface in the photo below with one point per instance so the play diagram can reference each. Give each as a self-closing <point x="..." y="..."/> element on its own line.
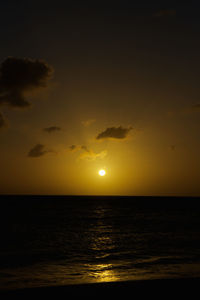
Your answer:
<point x="62" y="240"/>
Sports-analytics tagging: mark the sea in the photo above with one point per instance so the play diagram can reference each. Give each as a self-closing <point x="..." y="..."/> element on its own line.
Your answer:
<point x="65" y="240"/>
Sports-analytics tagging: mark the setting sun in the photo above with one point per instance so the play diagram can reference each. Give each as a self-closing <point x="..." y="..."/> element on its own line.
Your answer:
<point x="102" y="172"/>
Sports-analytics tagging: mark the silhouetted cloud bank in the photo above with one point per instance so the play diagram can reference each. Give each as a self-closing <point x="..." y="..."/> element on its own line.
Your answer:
<point x="37" y="151"/>
<point x="52" y="129"/>
<point x="21" y="75"/>
<point x="114" y="133"/>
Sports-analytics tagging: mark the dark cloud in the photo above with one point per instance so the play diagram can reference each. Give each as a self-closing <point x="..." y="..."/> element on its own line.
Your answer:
<point x="52" y="129"/>
<point x="21" y="75"/>
<point x="37" y="151"/>
<point x="165" y="13"/>
<point x="2" y="121"/>
<point x="74" y="147"/>
<point x="114" y="133"/>
<point x="78" y="147"/>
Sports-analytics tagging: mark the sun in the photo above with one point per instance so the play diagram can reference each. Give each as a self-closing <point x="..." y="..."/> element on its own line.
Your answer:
<point x="102" y="172"/>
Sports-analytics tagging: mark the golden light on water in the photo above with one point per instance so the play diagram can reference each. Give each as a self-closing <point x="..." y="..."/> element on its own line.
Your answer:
<point x="102" y="172"/>
<point x="104" y="273"/>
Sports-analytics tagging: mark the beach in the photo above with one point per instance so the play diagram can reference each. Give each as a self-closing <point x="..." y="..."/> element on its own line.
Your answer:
<point x="160" y="288"/>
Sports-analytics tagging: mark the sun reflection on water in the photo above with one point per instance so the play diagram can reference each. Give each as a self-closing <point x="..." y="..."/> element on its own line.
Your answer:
<point x="102" y="244"/>
<point x="103" y="273"/>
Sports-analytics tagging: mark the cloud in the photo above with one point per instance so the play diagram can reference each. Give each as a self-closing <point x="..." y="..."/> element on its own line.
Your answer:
<point x="78" y="147"/>
<point x="19" y="76"/>
<point x="85" y="148"/>
<point x="89" y="122"/>
<point x="114" y="133"/>
<point x="165" y="13"/>
<point x="87" y="153"/>
<point x="37" y="151"/>
<point x="52" y="129"/>
<point x="91" y="155"/>
<point x="2" y="121"/>
<point x="74" y="148"/>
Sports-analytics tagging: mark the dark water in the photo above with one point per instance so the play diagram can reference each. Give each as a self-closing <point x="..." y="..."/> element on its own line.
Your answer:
<point x="69" y="240"/>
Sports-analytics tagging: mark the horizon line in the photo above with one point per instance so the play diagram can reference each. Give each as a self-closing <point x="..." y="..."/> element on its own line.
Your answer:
<point x="81" y="195"/>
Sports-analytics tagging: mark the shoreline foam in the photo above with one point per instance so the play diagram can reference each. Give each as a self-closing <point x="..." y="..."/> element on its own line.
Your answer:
<point x="162" y="287"/>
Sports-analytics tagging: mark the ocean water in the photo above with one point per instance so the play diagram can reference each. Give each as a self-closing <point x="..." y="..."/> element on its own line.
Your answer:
<point x="61" y="240"/>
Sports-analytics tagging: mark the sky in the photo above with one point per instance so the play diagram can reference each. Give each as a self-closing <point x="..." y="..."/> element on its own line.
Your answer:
<point x="89" y="86"/>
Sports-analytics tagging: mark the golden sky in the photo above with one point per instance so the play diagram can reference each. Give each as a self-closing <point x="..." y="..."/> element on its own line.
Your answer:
<point x="111" y="88"/>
